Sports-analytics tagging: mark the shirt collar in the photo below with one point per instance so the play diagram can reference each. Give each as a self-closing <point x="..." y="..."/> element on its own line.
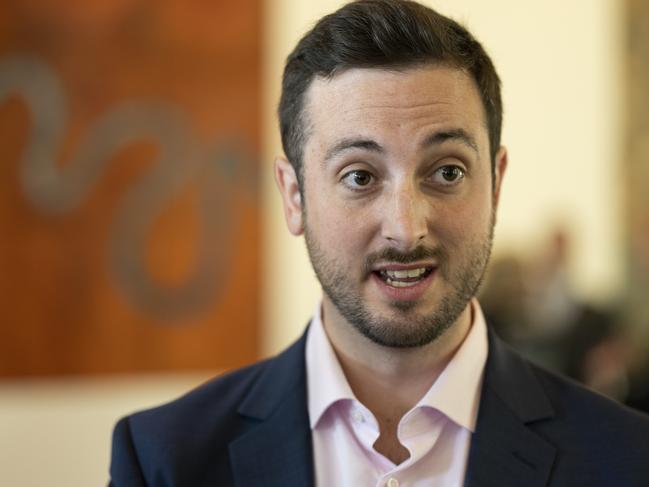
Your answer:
<point x="326" y="380"/>
<point x="455" y="393"/>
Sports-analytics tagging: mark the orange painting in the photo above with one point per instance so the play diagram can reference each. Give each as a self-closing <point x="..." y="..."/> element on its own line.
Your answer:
<point x="129" y="235"/>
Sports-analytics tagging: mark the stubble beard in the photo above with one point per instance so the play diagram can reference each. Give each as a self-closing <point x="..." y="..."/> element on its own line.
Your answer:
<point x="405" y="328"/>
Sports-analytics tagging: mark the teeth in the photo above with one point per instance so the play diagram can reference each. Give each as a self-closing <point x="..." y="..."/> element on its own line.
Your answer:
<point x="397" y="278"/>
<point x="400" y="283"/>
<point x="409" y="273"/>
<point x="416" y="272"/>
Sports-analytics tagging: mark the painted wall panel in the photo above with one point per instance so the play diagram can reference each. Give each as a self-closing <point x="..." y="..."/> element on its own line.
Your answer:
<point x="128" y="216"/>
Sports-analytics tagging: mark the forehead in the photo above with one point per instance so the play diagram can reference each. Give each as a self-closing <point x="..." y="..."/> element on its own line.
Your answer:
<point x="396" y="104"/>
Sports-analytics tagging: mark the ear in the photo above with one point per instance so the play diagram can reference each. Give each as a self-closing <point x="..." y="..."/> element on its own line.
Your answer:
<point x="499" y="173"/>
<point x="287" y="183"/>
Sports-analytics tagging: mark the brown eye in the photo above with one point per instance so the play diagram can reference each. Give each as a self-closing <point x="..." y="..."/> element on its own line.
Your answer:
<point x="358" y="179"/>
<point x="449" y="175"/>
<point x="362" y="178"/>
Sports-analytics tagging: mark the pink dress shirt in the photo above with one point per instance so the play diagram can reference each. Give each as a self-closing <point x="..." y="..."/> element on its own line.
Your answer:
<point x="436" y="431"/>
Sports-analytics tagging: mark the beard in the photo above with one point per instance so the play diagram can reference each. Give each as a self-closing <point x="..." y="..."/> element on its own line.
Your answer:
<point x="404" y="327"/>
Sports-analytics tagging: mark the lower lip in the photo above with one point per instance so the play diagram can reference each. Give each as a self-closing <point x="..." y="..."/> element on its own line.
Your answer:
<point x="410" y="293"/>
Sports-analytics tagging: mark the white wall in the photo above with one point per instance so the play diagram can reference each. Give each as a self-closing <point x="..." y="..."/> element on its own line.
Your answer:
<point x="57" y="433"/>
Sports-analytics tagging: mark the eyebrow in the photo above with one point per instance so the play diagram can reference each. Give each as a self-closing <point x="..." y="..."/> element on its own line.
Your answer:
<point x="347" y="144"/>
<point x="436" y="138"/>
<point x="458" y="135"/>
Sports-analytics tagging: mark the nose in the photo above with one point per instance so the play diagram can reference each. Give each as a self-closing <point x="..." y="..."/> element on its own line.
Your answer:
<point x="405" y="218"/>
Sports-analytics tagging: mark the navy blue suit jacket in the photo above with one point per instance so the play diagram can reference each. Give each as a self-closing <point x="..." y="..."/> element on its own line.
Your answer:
<point x="251" y="428"/>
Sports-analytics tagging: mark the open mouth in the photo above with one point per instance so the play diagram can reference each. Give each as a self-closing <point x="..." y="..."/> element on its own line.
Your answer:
<point x="404" y="277"/>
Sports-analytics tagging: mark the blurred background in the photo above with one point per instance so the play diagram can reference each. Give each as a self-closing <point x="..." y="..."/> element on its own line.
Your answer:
<point x="142" y="245"/>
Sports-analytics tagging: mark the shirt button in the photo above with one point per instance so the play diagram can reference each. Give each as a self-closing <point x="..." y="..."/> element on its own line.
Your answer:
<point x="359" y="418"/>
<point x="392" y="482"/>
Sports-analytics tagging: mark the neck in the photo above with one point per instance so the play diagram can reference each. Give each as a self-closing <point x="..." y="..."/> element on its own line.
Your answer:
<point x="390" y="381"/>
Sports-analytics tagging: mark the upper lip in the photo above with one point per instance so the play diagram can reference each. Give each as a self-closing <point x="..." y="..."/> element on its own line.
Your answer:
<point x="401" y="267"/>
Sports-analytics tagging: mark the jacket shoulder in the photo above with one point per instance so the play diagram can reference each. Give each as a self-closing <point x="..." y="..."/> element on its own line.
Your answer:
<point x="541" y="397"/>
<point x="172" y="444"/>
<point x="591" y="412"/>
<point x="211" y="407"/>
<point x="188" y="441"/>
<point x="597" y="437"/>
<point x="578" y="437"/>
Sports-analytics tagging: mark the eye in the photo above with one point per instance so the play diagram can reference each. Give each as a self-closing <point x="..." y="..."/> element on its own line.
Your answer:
<point x="358" y="178"/>
<point x="449" y="175"/>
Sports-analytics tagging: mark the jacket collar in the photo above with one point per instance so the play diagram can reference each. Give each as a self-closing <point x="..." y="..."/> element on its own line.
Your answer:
<point x="276" y="450"/>
<point x="504" y="450"/>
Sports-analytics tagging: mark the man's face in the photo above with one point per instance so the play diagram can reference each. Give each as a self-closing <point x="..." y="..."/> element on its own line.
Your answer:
<point x="397" y="205"/>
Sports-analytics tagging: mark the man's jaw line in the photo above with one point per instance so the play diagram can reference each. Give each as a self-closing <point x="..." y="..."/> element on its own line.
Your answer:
<point x="392" y="363"/>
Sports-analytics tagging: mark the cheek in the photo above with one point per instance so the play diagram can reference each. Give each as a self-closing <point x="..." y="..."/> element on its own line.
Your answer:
<point x="465" y="220"/>
<point x="343" y="233"/>
<point x="339" y="230"/>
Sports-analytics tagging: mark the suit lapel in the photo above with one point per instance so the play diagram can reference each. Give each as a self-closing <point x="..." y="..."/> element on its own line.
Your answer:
<point x="276" y="450"/>
<point x="504" y="450"/>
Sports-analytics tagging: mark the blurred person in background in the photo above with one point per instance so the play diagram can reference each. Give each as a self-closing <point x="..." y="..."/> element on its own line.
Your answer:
<point x="532" y="306"/>
<point x="390" y="117"/>
<point x="547" y="323"/>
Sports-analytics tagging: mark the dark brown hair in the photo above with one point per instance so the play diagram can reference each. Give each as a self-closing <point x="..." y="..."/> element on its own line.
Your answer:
<point x="388" y="34"/>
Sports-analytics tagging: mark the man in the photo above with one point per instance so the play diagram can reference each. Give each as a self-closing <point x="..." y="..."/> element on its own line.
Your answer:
<point x="390" y="118"/>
